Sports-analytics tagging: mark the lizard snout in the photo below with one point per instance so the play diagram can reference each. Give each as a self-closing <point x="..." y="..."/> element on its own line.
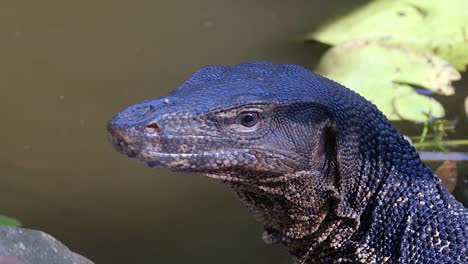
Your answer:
<point x="123" y="140"/>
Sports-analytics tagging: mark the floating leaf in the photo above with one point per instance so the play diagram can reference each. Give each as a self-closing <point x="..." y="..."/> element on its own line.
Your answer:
<point x="8" y="221"/>
<point x="384" y="74"/>
<point x="433" y="25"/>
<point x="416" y="107"/>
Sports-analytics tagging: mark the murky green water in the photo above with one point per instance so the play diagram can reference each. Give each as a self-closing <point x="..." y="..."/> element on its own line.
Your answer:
<point x="66" y="67"/>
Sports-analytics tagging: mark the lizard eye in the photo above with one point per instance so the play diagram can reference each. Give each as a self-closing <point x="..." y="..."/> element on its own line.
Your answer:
<point x="248" y="119"/>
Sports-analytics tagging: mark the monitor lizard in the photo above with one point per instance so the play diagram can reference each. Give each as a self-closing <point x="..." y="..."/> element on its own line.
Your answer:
<point x="319" y="166"/>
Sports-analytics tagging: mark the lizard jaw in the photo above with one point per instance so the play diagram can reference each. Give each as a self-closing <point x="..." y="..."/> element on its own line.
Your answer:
<point x="210" y="161"/>
<point x="201" y="153"/>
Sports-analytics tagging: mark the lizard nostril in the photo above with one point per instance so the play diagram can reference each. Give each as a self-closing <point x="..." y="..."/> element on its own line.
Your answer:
<point x="153" y="128"/>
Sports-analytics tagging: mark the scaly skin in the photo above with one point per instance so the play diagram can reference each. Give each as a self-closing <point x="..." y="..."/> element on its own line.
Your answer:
<point x="319" y="166"/>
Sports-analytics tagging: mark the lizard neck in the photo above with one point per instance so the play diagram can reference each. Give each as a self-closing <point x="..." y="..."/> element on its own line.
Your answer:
<point x="303" y="211"/>
<point x="299" y="211"/>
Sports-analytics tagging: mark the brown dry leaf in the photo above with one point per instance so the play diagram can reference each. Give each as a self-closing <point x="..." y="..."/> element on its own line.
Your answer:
<point x="447" y="171"/>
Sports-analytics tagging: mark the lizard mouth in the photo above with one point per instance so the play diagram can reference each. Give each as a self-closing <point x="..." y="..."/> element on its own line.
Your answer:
<point x="177" y="153"/>
<point x="221" y="160"/>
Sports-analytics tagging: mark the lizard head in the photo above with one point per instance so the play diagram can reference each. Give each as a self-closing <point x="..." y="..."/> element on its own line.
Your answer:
<point x="304" y="153"/>
<point x="237" y="123"/>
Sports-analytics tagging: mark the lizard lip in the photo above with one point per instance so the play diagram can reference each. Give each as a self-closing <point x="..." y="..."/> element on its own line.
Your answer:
<point x="216" y="160"/>
<point x="196" y="160"/>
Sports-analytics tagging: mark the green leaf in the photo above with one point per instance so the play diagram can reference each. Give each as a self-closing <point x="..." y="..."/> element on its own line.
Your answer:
<point x="385" y="73"/>
<point x="417" y="107"/>
<point x="440" y="26"/>
<point x="8" y="221"/>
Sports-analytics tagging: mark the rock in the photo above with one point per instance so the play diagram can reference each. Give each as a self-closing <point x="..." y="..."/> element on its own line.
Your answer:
<point x="25" y="246"/>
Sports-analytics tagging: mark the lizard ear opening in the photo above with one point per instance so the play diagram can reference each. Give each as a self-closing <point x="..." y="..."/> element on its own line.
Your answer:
<point x="347" y="174"/>
<point x="329" y="151"/>
<point x="326" y="151"/>
<point x="335" y="156"/>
